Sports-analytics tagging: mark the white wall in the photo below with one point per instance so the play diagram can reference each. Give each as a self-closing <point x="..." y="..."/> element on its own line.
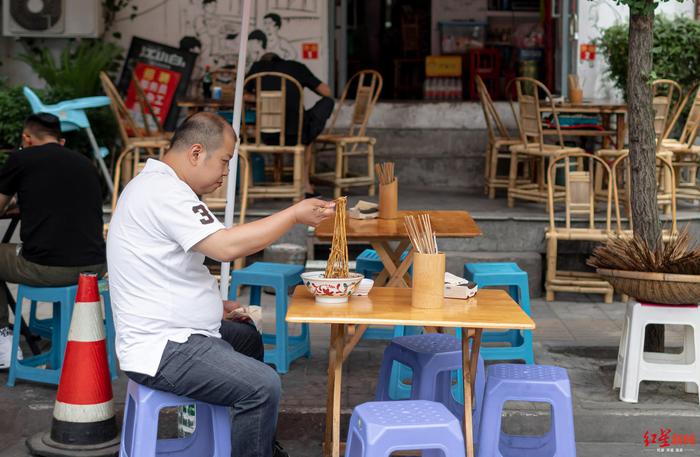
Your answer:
<point x="597" y="15"/>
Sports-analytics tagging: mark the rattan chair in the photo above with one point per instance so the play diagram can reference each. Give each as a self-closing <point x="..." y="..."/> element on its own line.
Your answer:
<point x="353" y="142"/>
<point x="579" y="200"/>
<point x="532" y="145"/>
<point x="269" y="136"/>
<point x="499" y="140"/>
<point x="139" y="142"/>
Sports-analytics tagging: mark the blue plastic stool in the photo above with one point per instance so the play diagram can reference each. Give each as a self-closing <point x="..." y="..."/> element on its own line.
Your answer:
<point x="536" y="383"/>
<point x="505" y="274"/>
<point x="72" y="115"/>
<point x="211" y="437"/>
<point x="369" y="265"/>
<point x="56" y="328"/>
<point x="281" y="277"/>
<point x="433" y="359"/>
<point x="378" y="429"/>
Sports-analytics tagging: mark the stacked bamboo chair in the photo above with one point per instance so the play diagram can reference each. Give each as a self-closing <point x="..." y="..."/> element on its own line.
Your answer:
<point x="353" y="142"/>
<point x="532" y="145"/>
<point x="580" y="222"/>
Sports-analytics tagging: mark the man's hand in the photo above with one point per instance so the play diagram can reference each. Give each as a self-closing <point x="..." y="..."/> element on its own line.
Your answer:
<point x="229" y="306"/>
<point x="313" y="211"/>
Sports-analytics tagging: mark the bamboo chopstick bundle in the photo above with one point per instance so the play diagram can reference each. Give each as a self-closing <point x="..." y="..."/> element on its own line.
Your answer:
<point x="337" y="266"/>
<point x="385" y="172"/>
<point x="421" y="233"/>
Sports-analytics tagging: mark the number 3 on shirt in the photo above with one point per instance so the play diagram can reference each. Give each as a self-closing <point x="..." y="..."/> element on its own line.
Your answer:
<point x="201" y="210"/>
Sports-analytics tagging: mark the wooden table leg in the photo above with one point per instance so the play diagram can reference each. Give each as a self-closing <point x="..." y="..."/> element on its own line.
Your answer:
<point x="397" y="276"/>
<point x="469" y="367"/>
<point x="352" y="342"/>
<point x="620" y="129"/>
<point x="331" y="442"/>
<point x="605" y="118"/>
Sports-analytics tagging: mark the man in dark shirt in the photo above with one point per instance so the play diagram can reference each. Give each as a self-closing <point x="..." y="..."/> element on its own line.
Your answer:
<point x="314" y="118"/>
<point x="59" y="194"/>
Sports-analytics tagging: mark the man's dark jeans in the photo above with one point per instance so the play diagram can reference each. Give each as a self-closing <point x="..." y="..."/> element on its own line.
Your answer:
<point x="225" y="371"/>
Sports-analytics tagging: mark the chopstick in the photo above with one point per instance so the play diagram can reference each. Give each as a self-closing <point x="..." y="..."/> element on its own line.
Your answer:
<point x="421" y="234"/>
<point x="384" y="172"/>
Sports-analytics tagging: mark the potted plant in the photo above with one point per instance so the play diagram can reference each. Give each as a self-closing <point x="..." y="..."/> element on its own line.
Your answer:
<point x="668" y="274"/>
<point x="14" y="108"/>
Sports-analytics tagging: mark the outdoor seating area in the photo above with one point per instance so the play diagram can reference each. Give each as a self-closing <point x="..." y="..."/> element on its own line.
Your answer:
<point x="249" y="231"/>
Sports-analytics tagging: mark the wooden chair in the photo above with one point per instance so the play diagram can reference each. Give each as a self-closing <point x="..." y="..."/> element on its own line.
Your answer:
<point x="498" y="141"/>
<point x="531" y="145"/>
<point x="579" y="199"/>
<point x="686" y="155"/>
<point x="353" y="142"/>
<point x="139" y="143"/>
<point x="271" y="116"/>
<point x="666" y="196"/>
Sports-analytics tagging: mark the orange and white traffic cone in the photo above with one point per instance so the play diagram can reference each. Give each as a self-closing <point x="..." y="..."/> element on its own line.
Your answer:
<point x="83" y="416"/>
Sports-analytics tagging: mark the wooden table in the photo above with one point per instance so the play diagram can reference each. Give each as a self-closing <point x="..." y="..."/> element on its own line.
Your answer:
<point x="489" y="309"/>
<point x="196" y="104"/>
<point x="601" y="107"/>
<point x="381" y="232"/>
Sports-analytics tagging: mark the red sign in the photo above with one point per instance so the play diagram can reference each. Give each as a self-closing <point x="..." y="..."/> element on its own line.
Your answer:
<point x="159" y="86"/>
<point x="309" y="51"/>
<point x="587" y="52"/>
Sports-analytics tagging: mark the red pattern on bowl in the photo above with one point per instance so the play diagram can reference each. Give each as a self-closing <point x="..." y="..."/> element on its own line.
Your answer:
<point x="331" y="290"/>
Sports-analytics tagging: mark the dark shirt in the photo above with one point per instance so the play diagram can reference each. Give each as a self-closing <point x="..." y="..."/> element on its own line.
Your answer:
<point x="60" y="200"/>
<point x="296" y="70"/>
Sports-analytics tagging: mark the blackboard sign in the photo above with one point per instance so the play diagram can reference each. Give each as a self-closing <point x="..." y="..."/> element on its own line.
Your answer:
<point x="163" y="73"/>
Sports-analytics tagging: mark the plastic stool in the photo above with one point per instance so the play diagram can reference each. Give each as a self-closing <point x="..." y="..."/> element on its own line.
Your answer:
<point x="63" y="299"/>
<point x="370" y="265"/>
<point x="378" y="429"/>
<point x="432" y="358"/>
<point x="505" y="274"/>
<point x="211" y="437"/>
<point x="281" y="277"/>
<point x="536" y="383"/>
<point x="634" y="365"/>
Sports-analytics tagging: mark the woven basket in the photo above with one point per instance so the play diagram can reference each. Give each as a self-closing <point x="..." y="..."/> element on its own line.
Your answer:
<point x="663" y="288"/>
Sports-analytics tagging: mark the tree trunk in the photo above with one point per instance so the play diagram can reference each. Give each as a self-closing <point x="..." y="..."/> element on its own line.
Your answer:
<point x="642" y="144"/>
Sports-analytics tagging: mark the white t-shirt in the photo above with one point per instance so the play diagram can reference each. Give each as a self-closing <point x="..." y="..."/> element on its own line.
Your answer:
<point x="160" y="290"/>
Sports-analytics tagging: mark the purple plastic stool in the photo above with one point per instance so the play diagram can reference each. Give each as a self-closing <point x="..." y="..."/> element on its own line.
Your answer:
<point x="536" y="383"/>
<point x="381" y="427"/>
<point x="211" y="437"/>
<point x="433" y="358"/>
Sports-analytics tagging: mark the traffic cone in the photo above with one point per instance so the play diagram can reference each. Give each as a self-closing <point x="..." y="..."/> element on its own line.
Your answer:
<point x="83" y="416"/>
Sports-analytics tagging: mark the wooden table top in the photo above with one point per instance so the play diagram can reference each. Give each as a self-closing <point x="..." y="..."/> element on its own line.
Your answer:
<point x="446" y="224"/>
<point x="201" y="102"/>
<point x="489" y="309"/>
<point x="592" y="106"/>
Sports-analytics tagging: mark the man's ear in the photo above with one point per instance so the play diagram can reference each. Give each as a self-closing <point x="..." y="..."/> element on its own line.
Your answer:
<point x="62" y="141"/>
<point x="196" y="153"/>
<point x="26" y="140"/>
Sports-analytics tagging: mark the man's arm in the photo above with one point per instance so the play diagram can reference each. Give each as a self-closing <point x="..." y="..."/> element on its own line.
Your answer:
<point x="323" y="90"/>
<point x="242" y="240"/>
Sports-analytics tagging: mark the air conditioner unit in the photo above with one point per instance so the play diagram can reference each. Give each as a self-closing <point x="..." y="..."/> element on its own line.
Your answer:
<point x="52" y="18"/>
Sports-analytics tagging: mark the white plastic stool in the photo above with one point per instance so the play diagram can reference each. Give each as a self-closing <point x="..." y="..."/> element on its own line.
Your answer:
<point x="635" y="366"/>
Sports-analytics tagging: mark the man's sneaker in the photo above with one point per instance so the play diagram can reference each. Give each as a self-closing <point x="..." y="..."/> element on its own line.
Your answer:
<point x="278" y="451"/>
<point x="6" y="348"/>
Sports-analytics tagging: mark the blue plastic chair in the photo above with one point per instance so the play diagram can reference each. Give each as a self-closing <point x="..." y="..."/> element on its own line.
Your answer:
<point x="378" y="429"/>
<point x="72" y="116"/>
<point x="56" y="328"/>
<point x="280" y="277"/>
<point x="535" y="383"/>
<point x="505" y="274"/>
<point x="369" y="265"/>
<point x="211" y="437"/>
<point x="433" y="359"/>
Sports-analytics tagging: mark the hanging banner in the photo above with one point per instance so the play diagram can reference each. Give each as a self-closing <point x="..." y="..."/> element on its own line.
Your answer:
<point x="163" y="72"/>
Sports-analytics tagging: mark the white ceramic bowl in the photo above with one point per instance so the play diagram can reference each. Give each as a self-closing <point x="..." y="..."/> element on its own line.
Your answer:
<point x="331" y="290"/>
<point x="364" y="287"/>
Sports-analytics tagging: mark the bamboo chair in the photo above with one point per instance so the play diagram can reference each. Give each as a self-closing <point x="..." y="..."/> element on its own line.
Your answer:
<point x="665" y="196"/>
<point x="498" y="142"/>
<point x="532" y="145"/>
<point x="138" y="143"/>
<point x="271" y="115"/>
<point x="354" y="142"/>
<point x="579" y="199"/>
<point x="686" y="155"/>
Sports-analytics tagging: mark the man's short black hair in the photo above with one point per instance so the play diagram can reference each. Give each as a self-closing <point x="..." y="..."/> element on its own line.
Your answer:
<point x="189" y="43"/>
<point x="259" y="35"/>
<point x="202" y="128"/>
<point x="43" y="125"/>
<point x="276" y="18"/>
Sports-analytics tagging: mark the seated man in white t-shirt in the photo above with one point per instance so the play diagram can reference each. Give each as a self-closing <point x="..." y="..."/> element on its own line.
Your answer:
<point x="167" y="307"/>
